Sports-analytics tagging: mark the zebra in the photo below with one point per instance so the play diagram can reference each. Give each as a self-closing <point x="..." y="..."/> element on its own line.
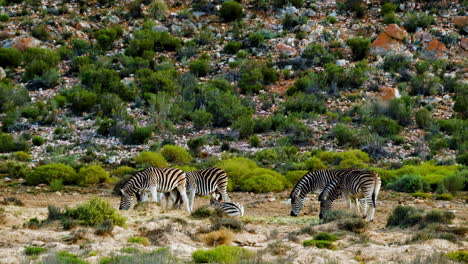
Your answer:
<point x="229" y="208"/>
<point x="162" y="180"/>
<point x="315" y="181"/>
<point x="362" y="184"/>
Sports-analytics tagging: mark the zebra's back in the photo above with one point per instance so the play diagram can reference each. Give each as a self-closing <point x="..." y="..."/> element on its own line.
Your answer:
<point x="206" y="181"/>
<point x="229" y="208"/>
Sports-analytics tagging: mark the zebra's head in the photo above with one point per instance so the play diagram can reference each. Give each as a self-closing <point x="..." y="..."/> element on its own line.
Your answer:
<point x="296" y="202"/>
<point x="214" y="202"/>
<point x="125" y="200"/>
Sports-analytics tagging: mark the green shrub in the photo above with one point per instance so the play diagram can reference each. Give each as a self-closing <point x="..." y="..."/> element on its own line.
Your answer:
<point x="105" y="37"/>
<point x="7" y="143"/>
<point x="152" y="159"/>
<point x="38" y="141"/>
<point x="10" y="57"/>
<point x="139" y="240"/>
<point x="158" y="10"/>
<point x="103" y="80"/>
<point x="314" y="163"/>
<point x="34" y="251"/>
<point x="139" y="135"/>
<point x="204" y="212"/>
<point x="444" y="196"/>
<point x="353" y="224"/>
<point x="22" y="156"/>
<point x="262" y="183"/>
<point x="326" y="237"/>
<point x="460" y="256"/>
<point x="391" y="18"/>
<point x="346" y="159"/>
<point x="360" y="47"/>
<point x="230" y="11"/>
<point x="81" y="100"/>
<point x="357" y="6"/>
<point x="406" y="216"/>
<point x="319" y="244"/>
<point x="423" y="118"/>
<point x="92" y="175"/>
<point x="94" y="212"/>
<point x="388" y="7"/>
<point x="245" y="126"/>
<point x="254" y="141"/>
<point x="345" y="135"/>
<point x="304" y="103"/>
<point x="457" y="181"/>
<point x="80" y="46"/>
<point x="236" y="168"/>
<point x="14" y="169"/>
<point x="161" y="255"/>
<point x="232" y="47"/>
<point x="50" y="172"/>
<point x="394" y="62"/>
<point x="384" y="126"/>
<point x="4" y="17"/>
<point x="401" y="109"/>
<point x="176" y="154"/>
<point x="430" y="173"/>
<point x="267" y="157"/>
<point x="409" y="184"/>
<point x="222" y="254"/>
<point x="256" y="39"/>
<point x="316" y="54"/>
<point x="294" y="176"/>
<point x="196" y="144"/>
<point x="201" y="119"/>
<point x="40" y="32"/>
<point x="200" y="67"/>
<point x="422" y="195"/>
<point x="415" y="20"/>
<point x="64" y="258"/>
<point x="123" y="171"/>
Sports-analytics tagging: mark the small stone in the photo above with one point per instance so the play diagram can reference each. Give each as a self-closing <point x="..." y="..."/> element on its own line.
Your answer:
<point x="2" y="73"/>
<point x="58" y="193"/>
<point x="160" y="28"/>
<point x="82" y="25"/>
<point x="341" y="63"/>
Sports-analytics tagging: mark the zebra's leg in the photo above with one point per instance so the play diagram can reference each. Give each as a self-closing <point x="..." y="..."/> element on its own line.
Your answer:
<point x="191" y="198"/>
<point x="358" y="209"/>
<point x="222" y="190"/>
<point x="154" y="193"/>
<point x="364" y="207"/>
<point x="348" y="199"/>
<point x="183" y="193"/>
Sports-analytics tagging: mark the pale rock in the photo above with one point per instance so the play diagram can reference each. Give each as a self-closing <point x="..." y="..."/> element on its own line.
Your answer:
<point x="341" y="63"/>
<point x="2" y="73"/>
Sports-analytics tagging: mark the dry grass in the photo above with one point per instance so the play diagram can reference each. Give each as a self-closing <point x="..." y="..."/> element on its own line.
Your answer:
<point x="217" y="238"/>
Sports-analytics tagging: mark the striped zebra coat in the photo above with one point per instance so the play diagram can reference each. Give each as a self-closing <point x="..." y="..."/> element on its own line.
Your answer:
<point x="210" y="181"/>
<point x="229" y="208"/>
<point x="314" y="181"/>
<point x="156" y="180"/>
<point x="362" y="184"/>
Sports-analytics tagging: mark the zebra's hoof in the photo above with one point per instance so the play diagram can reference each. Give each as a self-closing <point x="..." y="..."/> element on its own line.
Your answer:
<point x="364" y="216"/>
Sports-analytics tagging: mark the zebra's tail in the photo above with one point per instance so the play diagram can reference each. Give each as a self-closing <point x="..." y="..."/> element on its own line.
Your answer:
<point x="375" y="193"/>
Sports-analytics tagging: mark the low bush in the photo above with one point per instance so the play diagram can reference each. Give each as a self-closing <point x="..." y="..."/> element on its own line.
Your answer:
<point x="14" y="170"/>
<point x="384" y="126"/>
<point x="423" y="118"/>
<point x="201" y="119"/>
<point x="81" y="100"/>
<point x="261" y="184"/>
<point x="422" y="195"/>
<point x="10" y="57"/>
<point x="48" y="173"/>
<point x="460" y="256"/>
<point x="360" y="47"/>
<point x="415" y="20"/>
<point x="316" y="54"/>
<point x="294" y="176"/>
<point x="200" y="67"/>
<point x="231" y="223"/>
<point x="105" y="37"/>
<point x="358" y="7"/>
<point x="388" y="7"/>
<point x="158" y="9"/>
<point x="22" y="156"/>
<point x="34" y="251"/>
<point x="205" y="212"/>
<point x="410" y="184"/>
<point x="444" y="196"/>
<point x="230" y="11"/>
<point x="63" y="257"/>
<point x="92" y="175"/>
<point x="326" y="237"/>
<point x="176" y="154"/>
<point x="391" y="18"/>
<point x="139" y="240"/>
<point x="254" y="141"/>
<point x="457" y="181"/>
<point x="162" y="255"/>
<point x="40" y="32"/>
<point x="218" y="238"/>
<point x="223" y="255"/>
<point x="38" y="141"/>
<point x="407" y="216"/>
<point x="304" y="103"/>
<point x="94" y="212"/>
<point x="232" y="47"/>
<point x="395" y="62"/>
<point x="153" y="159"/>
<point x="345" y="135"/>
<point x="244" y="125"/>
<point x="256" y="39"/>
<point x="319" y="244"/>
<point x="353" y="224"/>
<point x="123" y="172"/>
<point x="105" y="228"/>
<point x="139" y="136"/>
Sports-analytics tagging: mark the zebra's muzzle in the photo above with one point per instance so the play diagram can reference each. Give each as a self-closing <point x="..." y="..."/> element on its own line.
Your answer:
<point x="293" y="214"/>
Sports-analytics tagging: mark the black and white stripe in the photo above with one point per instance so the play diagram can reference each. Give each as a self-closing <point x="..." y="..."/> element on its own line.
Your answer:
<point x="362" y="184"/>
<point x="314" y="181"/>
<point x="211" y="181"/>
<point x="163" y="180"/>
<point x="229" y="208"/>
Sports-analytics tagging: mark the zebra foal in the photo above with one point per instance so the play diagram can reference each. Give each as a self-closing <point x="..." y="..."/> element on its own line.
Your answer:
<point x="362" y="184"/>
<point x="229" y="208"/>
<point x="156" y="180"/>
<point x="314" y="181"/>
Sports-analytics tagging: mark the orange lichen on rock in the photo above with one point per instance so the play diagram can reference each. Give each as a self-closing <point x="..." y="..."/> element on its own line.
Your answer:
<point x="460" y="21"/>
<point x="435" y="49"/>
<point x="384" y="43"/>
<point x="396" y="32"/>
<point x="389" y="93"/>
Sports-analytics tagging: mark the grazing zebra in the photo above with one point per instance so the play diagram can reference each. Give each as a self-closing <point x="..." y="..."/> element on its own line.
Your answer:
<point x="229" y="208"/>
<point x="162" y="180"/>
<point x="362" y="184"/>
<point x="314" y="181"/>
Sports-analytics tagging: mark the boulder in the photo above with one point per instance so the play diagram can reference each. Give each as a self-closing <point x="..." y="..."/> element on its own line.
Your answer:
<point x="82" y="25"/>
<point x="396" y="32"/>
<point x="434" y="50"/>
<point x="23" y="43"/>
<point x="464" y="43"/>
<point x="384" y="43"/>
<point x="286" y="49"/>
<point x="389" y="93"/>
<point x="460" y="21"/>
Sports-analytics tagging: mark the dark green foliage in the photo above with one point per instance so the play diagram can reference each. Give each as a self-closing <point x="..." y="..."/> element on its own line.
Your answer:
<point x="388" y="7"/>
<point x="94" y="212"/>
<point x="391" y="18"/>
<point x="160" y="256"/>
<point x="406" y="216"/>
<point x="158" y="9"/>
<point x="254" y="141"/>
<point x="196" y="144"/>
<point x="12" y="96"/>
<point x="256" y="39"/>
<point x="176" y="154"/>
<point x="105" y="228"/>
<point x="422" y="66"/>
<point x="4" y="17"/>
<point x="230" y="11"/>
<point x="200" y="67"/>
<point x="245" y="126"/>
<point x="360" y="47"/>
<point x="201" y="119"/>
<point x="80" y="46"/>
<point x="224" y="106"/>
<point x="283" y="3"/>
<point x="357" y="6"/>
<point x="304" y="103"/>
<point x="79" y="61"/>
<point x="255" y="75"/>
<point x="81" y="100"/>
<point x="147" y="41"/>
<point x="345" y="135"/>
<point x="316" y="54"/>
<point x="409" y="184"/>
<point x="102" y="80"/>
<point x="319" y="244"/>
<point x="134" y="9"/>
<point x="415" y="20"/>
<point x="14" y="169"/>
<point x="63" y="258"/>
<point x="396" y="62"/>
<point x="461" y="101"/>
<point x="423" y="118"/>
<point x="34" y="251"/>
<point x="460" y="256"/>
<point x="234" y="224"/>
<point x="425" y="84"/>
<point x="204" y="212"/>
<point x="401" y="109"/>
<point x="384" y="126"/>
<point x="92" y="174"/>
<point x="106" y="37"/>
<point x="346" y="220"/>
<point x="40" y="32"/>
<point x="139" y="136"/>
<point x="10" y="57"/>
<point x="232" y="47"/>
<point x="50" y="172"/>
<point x="290" y="21"/>
<point x="457" y="181"/>
<point x="41" y="66"/>
<point x="326" y="237"/>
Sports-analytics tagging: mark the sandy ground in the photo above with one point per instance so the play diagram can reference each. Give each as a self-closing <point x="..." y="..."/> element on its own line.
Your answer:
<point x="266" y="218"/>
